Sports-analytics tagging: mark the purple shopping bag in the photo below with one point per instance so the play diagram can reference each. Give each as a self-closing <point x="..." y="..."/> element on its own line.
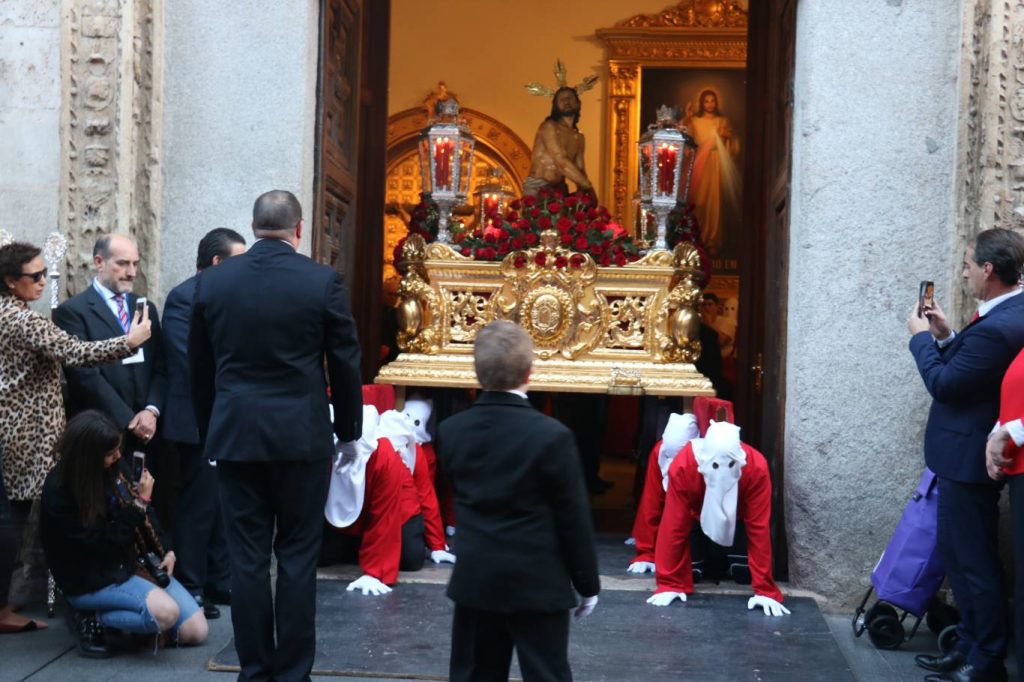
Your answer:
<point x="910" y="571"/>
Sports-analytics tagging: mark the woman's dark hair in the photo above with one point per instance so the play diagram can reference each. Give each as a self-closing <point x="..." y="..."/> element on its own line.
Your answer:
<point x="89" y="437"/>
<point x="13" y="257"/>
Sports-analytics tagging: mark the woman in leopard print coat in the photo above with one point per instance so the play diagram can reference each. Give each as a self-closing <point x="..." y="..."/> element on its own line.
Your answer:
<point x="31" y="407"/>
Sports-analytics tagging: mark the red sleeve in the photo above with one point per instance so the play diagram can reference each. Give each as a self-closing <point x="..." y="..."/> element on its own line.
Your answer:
<point x="381" y="547"/>
<point x="673" y="568"/>
<point x="756" y="502"/>
<point x="648" y="514"/>
<point x="433" y="531"/>
<point x="431" y="456"/>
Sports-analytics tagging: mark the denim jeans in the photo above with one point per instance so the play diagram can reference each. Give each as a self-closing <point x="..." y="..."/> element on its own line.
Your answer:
<point x="123" y="605"/>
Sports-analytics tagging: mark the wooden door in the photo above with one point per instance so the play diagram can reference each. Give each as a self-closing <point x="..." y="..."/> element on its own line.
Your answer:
<point x="761" y="350"/>
<point x="351" y="134"/>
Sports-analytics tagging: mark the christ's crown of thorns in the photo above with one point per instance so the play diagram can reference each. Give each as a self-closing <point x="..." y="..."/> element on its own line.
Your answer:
<point x="536" y="88"/>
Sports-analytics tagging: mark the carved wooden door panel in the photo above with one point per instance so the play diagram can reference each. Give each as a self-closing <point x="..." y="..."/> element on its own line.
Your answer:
<point x="347" y="223"/>
<point x="761" y="350"/>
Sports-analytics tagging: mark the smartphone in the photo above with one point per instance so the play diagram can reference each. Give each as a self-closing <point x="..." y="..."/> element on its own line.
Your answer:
<point x="140" y="305"/>
<point x="925" y="297"/>
<point x="138" y="465"/>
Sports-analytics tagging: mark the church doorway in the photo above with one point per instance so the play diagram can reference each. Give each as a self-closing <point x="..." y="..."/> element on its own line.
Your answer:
<point x="360" y="163"/>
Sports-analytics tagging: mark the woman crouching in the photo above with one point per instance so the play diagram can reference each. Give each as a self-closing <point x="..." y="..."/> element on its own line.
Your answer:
<point x="97" y="531"/>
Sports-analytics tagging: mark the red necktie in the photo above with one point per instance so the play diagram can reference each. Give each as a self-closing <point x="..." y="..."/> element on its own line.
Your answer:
<point x="976" y="316"/>
<point x="122" y="312"/>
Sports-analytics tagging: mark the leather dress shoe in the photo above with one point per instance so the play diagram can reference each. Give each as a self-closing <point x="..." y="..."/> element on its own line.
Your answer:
<point x="940" y="664"/>
<point x="210" y="610"/>
<point x="218" y="596"/>
<point x="968" y="673"/>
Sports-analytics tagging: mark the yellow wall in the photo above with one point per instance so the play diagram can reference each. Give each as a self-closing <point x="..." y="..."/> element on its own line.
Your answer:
<point x="486" y="50"/>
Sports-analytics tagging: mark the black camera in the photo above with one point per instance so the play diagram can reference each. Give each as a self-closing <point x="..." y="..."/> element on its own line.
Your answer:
<point x="151" y="564"/>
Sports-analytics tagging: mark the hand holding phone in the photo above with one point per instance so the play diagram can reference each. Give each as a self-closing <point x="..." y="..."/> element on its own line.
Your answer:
<point x="925" y="297"/>
<point x="140" y="306"/>
<point x="138" y="465"/>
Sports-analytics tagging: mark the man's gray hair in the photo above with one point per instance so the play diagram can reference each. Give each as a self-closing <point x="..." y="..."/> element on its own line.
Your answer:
<point x="502" y="356"/>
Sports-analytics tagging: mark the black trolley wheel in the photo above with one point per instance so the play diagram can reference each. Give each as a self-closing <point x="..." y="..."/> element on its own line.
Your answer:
<point x="948" y="639"/>
<point x="940" y="616"/>
<point x="884" y="626"/>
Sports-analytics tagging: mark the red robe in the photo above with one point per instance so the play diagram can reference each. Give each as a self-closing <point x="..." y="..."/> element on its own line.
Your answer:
<point x="426" y="498"/>
<point x="683" y="502"/>
<point x="389" y="501"/>
<point x="1011" y="406"/>
<point x="648" y="513"/>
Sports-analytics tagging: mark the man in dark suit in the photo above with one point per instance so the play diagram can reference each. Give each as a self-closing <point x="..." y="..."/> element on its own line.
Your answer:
<point x="525" y="536"/>
<point x="262" y="325"/>
<point x="963" y="372"/>
<point x="130" y="391"/>
<point x="202" y="565"/>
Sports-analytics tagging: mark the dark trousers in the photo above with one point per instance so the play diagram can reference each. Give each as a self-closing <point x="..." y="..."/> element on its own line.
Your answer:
<point x="340" y="548"/>
<point x="968" y="523"/>
<point x="1017" y="516"/>
<point x="482" y="643"/>
<point x="12" y="533"/>
<point x="255" y="497"/>
<point x="199" y="528"/>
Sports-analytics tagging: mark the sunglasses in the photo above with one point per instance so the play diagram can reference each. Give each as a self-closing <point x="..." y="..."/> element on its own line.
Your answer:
<point x="34" y="276"/>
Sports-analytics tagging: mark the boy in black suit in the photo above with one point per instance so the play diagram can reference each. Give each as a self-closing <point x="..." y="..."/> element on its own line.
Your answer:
<point x="525" y="535"/>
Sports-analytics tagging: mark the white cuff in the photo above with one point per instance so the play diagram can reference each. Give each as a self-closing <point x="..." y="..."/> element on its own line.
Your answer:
<point x="154" y="410"/>
<point x="1016" y="430"/>
<point x="946" y="341"/>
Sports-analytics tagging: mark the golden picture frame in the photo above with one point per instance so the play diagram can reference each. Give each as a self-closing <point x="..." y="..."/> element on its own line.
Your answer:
<point x="694" y="34"/>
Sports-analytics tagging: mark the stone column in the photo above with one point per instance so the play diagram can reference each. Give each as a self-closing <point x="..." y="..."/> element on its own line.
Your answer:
<point x="109" y="131"/>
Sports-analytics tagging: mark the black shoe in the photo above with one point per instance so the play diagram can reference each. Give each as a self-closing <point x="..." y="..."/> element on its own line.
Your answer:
<point x="92" y="642"/>
<point x="968" y="673"/>
<point x="210" y="610"/>
<point x="940" y="664"/>
<point x="218" y="596"/>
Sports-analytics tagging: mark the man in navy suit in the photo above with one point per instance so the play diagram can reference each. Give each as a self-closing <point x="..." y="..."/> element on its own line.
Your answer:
<point x="263" y="324"/>
<point x="962" y="372"/>
<point x="202" y="566"/>
<point x="132" y="390"/>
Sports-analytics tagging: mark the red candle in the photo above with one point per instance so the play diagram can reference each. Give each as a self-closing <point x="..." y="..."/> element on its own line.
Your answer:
<point x="666" y="168"/>
<point x="490" y="203"/>
<point x="443" y="152"/>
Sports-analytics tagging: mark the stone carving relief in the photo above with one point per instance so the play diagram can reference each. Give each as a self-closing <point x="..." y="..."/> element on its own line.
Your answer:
<point x="990" y="170"/>
<point x="108" y="162"/>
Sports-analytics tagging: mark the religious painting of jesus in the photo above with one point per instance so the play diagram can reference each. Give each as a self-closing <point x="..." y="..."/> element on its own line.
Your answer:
<point x="713" y="111"/>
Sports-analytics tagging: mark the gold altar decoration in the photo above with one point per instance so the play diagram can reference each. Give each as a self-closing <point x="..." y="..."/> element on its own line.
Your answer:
<point x="692" y="34"/>
<point x="622" y="330"/>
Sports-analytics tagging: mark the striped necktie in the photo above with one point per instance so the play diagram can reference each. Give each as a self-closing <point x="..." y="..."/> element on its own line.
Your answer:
<point x="122" y="312"/>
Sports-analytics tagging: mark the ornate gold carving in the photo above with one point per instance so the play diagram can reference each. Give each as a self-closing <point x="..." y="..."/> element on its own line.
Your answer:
<point x="694" y="33"/>
<point x="693" y="13"/>
<point x="595" y="329"/>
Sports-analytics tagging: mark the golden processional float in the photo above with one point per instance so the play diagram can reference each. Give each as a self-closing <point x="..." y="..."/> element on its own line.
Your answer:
<point x="606" y="314"/>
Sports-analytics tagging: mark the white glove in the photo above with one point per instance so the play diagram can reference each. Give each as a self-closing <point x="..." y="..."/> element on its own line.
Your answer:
<point x="368" y="585"/>
<point x="641" y="567"/>
<point x="449" y="531"/>
<point x="630" y="541"/>
<point x="347" y="451"/>
<point x="440" y="556"/>
<point x="666" y="598"/>
<point x="770" y="606"/>
<point x="586" y="606"/>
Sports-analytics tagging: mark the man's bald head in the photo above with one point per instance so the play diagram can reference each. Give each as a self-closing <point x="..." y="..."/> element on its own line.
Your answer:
<point x="276" y="214"/>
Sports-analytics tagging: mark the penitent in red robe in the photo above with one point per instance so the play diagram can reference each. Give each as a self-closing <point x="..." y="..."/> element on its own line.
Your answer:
<point x="648" y="513"/>
<point x="389" y="501"/>
<point x="683" y="502"/>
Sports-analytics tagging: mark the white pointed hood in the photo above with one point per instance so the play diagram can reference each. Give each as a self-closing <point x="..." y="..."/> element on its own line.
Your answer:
<point x="720" y="460"/>
<point x="348" y="477"/>
<point x="418" y="411"/>
<point x="680" y="430"/>
<point x="398" y="429"/>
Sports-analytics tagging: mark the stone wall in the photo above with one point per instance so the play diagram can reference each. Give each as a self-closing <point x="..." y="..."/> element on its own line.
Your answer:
<point x="30" y="97"/>
<point x="873" y="212"/>
<point x="239" y="115"/>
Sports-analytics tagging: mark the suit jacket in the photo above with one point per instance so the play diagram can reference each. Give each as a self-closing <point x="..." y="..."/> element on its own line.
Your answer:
<point x="262" y="324"/>
<point x="179" y="417"/>
<point x="118" y="389"/>
<point x="525" y="534"/>
<point x="963" y="379"/>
